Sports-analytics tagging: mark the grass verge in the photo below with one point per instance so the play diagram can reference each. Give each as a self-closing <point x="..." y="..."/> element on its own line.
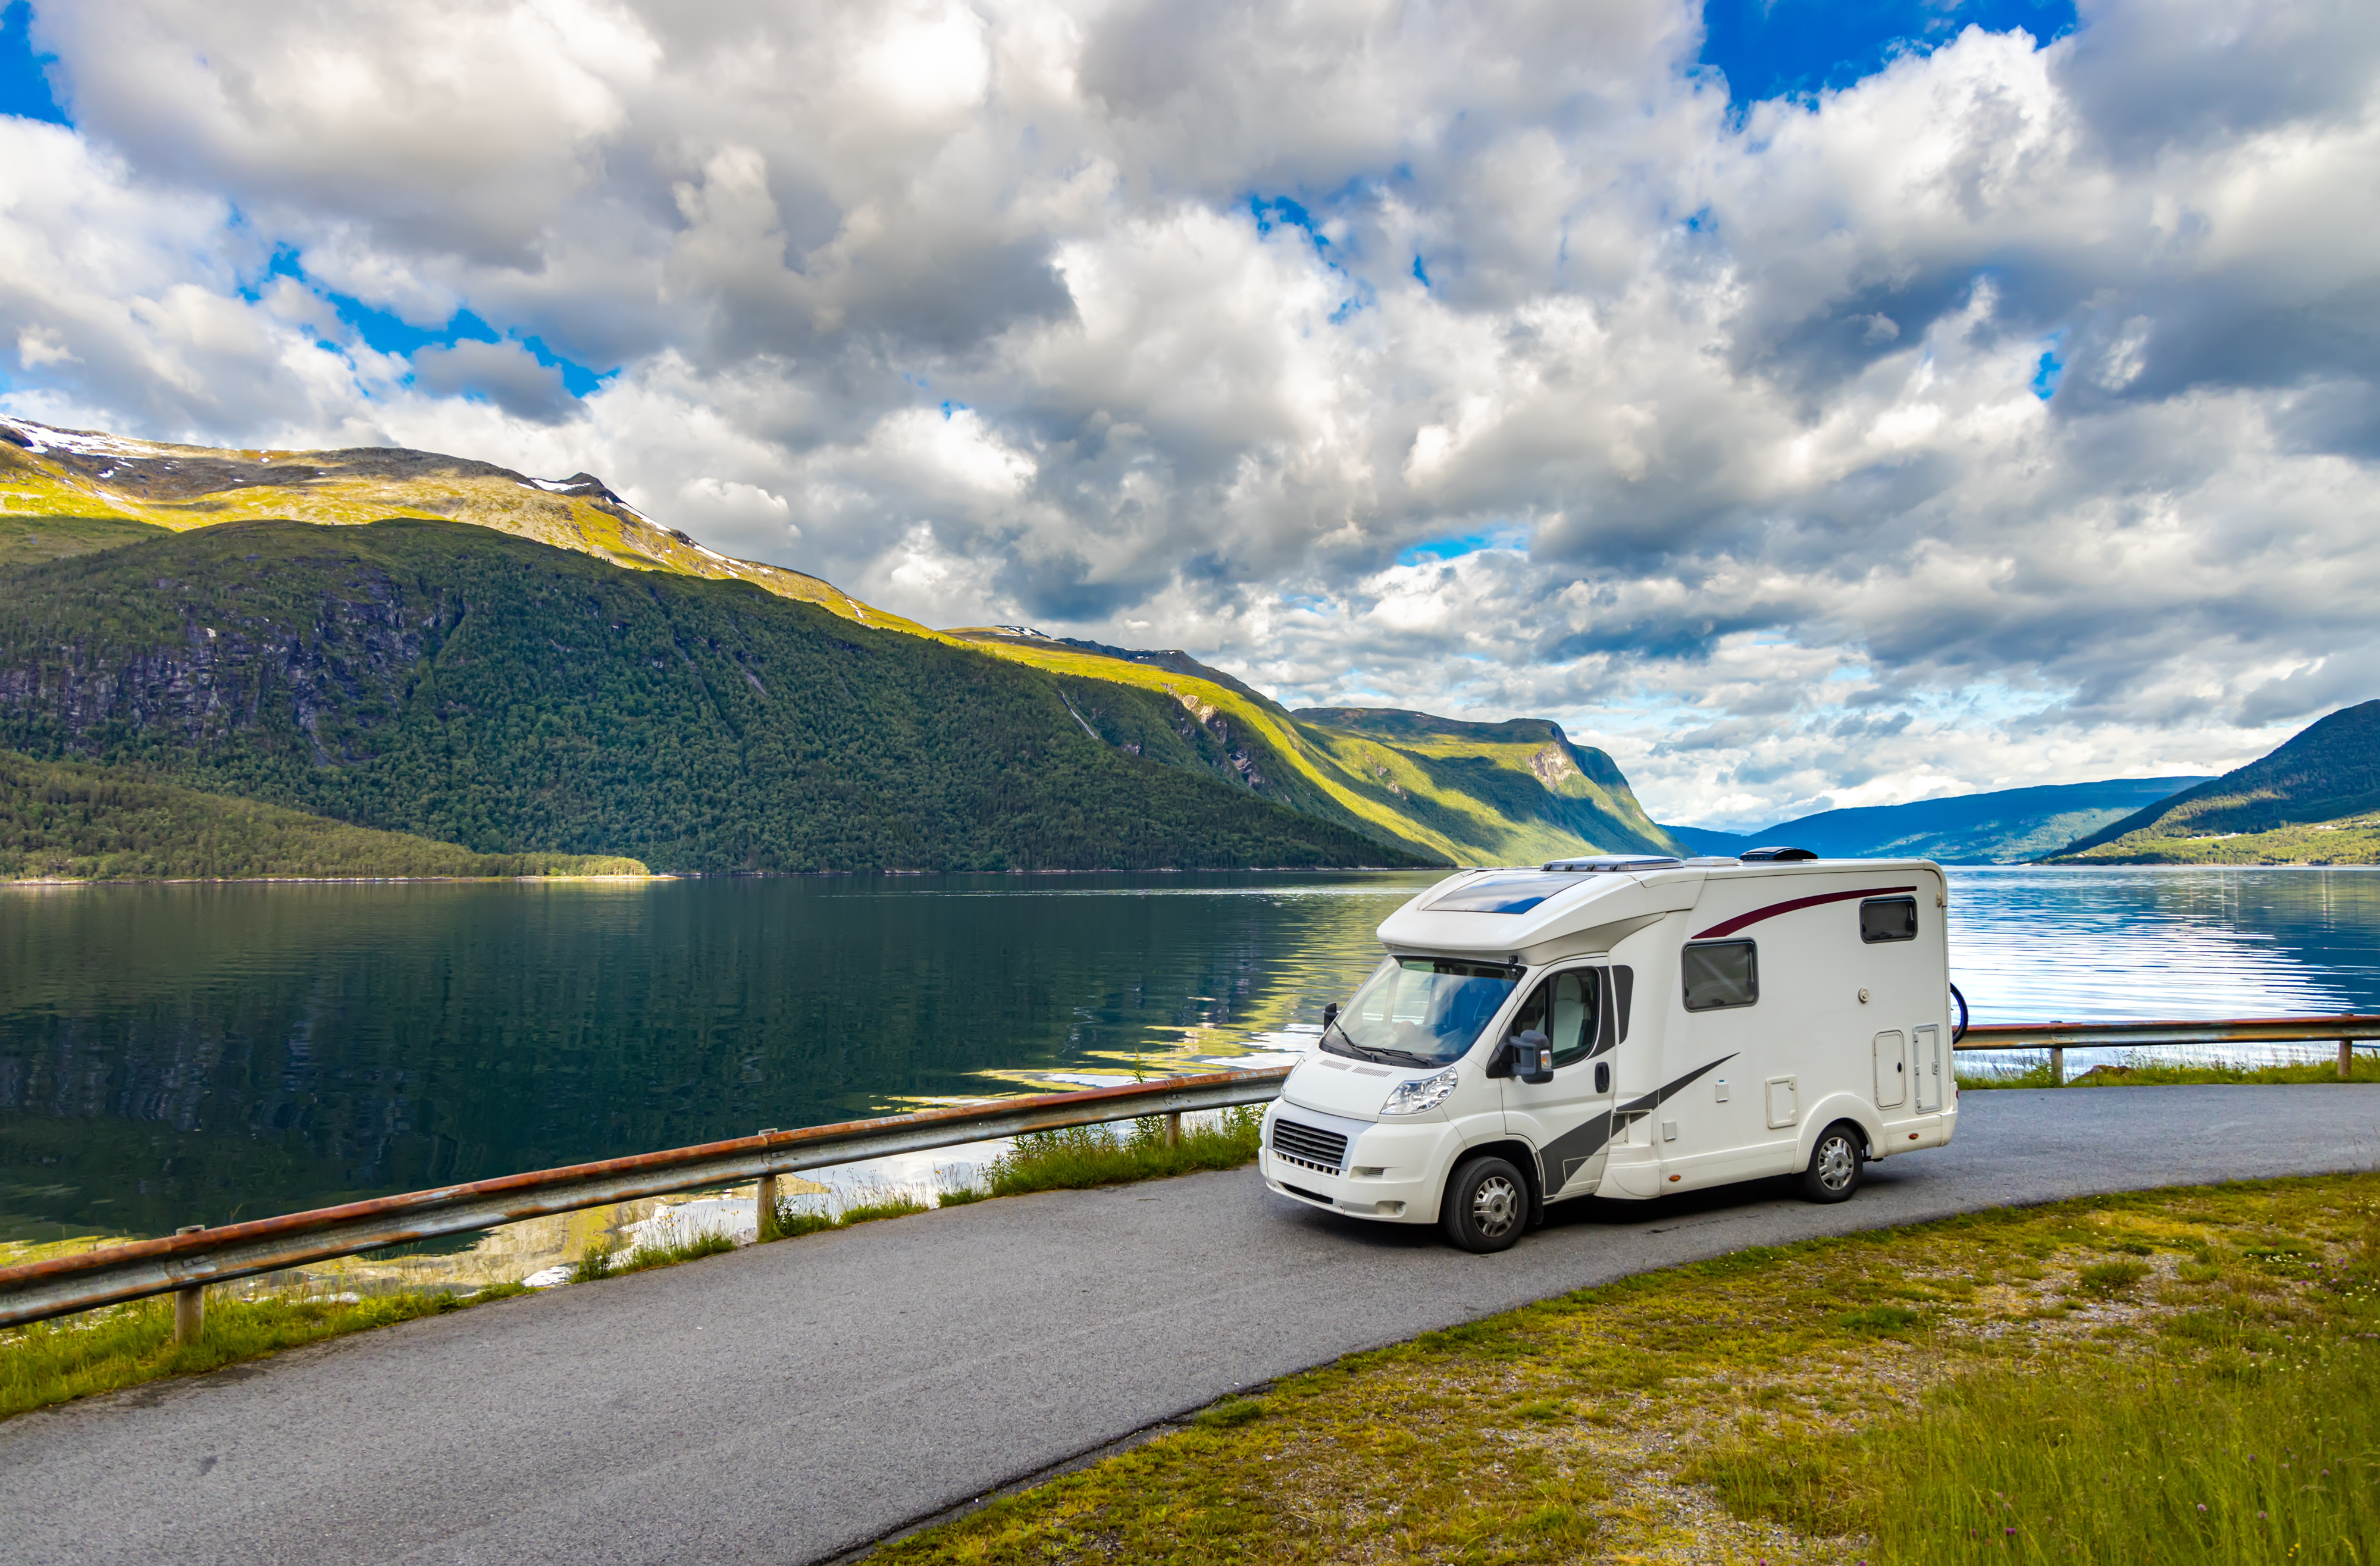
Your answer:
<point x="1084" y="1155"/>
<point x="102" y="1351"/>
<point x="2147" y="1071"/>
<point x="2065" y="1383"/>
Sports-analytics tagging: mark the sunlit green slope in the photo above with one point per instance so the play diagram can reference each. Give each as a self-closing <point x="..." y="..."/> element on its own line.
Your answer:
<point x="2314" y="800"/>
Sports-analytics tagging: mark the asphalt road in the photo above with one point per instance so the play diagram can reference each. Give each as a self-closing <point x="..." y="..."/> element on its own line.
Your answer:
<point x="791" y="1401"/>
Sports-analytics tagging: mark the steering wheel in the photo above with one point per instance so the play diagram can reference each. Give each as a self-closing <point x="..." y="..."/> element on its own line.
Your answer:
<point x="1959" y="1028"/>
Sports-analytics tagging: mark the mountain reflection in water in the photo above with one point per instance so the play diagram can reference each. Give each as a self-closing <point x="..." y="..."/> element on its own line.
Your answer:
<point x="181" y="1054"/>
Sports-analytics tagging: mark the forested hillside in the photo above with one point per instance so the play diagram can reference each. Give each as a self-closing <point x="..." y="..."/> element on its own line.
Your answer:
<point x="1467" y="793"/>
<point x="484" y="690"/>
<point x="2314" y="800"/>
<point x="65" y="820"/>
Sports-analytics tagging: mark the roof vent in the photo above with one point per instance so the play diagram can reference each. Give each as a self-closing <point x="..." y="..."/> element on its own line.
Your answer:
<point x="1749" y="855"/>
<point x="1616" y="862"/>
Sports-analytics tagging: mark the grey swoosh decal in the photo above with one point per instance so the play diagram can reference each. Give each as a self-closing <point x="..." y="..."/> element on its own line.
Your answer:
<point x="1585" y="1140"/>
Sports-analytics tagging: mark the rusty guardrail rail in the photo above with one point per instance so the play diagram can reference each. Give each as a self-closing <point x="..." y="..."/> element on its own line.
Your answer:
<point x="185" y="1263"/>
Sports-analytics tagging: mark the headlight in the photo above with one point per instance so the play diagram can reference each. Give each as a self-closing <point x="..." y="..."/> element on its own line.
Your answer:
<point x="1423" y="1093"/>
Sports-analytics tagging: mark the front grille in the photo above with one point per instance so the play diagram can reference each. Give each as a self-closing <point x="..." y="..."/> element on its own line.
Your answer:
<point x="1309" y="1145"/>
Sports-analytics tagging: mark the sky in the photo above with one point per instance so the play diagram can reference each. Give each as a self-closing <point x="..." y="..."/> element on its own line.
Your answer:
<point x="1816" y="404"/>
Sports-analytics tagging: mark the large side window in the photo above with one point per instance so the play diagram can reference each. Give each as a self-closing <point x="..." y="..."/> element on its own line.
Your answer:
<point x="1565" y="1008"/>
<point x="1720" y="974"/>
<point x="1888" y="919"/>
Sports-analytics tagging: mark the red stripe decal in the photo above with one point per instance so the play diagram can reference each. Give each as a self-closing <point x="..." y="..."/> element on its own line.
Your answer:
<point x="1770" y="912"/>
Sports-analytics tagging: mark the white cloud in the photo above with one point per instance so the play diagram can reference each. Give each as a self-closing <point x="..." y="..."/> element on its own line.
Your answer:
<point x="1178" y="324"/>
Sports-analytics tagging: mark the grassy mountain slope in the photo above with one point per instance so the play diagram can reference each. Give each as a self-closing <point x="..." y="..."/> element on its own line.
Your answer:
<point x="1472" y="793"/>
<point x="2314" y="800"/>
<point x="489" y="691"/>
<point x="82" y="473"/>
<point x="2009" y="826"/>
<point x="1520" y="789"/>
<point x="1472" y="798"/>
<point x="66" y="820"/>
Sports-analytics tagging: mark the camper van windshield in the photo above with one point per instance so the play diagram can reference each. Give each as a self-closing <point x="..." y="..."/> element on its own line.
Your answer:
<point x="1421" y="1010"/>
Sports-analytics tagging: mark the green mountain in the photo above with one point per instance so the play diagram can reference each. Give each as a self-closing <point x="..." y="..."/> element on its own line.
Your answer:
<point x="2314" y="800"/>
<point x="2009" y="826"/>
<point x="1419" y="787"/>
<point x="480" y="689"/>
<point x="63" y="821"/>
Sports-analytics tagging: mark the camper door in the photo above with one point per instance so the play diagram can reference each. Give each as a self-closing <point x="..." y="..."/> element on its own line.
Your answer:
<point x="1568" y="1119"/>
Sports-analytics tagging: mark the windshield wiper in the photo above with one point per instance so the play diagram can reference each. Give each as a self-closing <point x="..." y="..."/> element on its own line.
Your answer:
<point x="1346" y="1046"/>
<point x="1379" y="1055"/>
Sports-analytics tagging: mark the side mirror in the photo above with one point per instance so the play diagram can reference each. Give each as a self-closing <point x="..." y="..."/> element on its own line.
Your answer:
<point x="1535" y="1061"/>
<point x="1329" y="1015"/>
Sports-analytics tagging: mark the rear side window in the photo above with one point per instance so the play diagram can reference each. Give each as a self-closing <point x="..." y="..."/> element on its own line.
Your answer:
<point x="1720" y="974"/>
<point x="1888" y="919"/>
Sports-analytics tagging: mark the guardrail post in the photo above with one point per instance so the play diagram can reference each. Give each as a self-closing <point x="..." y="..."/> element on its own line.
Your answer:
<point x="2346" y="1060"/>
<point x="190" y="1305"/>
<point x="764" y="1204"/>
<point x="2056" y="1066"/>
<point x="1174" y="1124"/>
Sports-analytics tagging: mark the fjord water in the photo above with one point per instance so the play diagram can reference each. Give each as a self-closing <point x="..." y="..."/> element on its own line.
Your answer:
<point x="189" y="1053"/>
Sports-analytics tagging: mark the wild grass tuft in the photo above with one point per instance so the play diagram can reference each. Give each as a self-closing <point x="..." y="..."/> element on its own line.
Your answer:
<point x="1084" y="1155"/>
<point x="890" y="1206"/>
<point x="650" y="1254"/>
<point x="75" y="1356"/>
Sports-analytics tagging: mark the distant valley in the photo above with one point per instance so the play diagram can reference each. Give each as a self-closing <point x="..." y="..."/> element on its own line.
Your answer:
<point x="2010" y="826"/>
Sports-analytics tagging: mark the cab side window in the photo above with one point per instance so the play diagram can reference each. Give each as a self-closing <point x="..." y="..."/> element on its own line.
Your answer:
<point x="1720" y="974"/>
<point x="1888" y="919"/>
<point x="1577" y="1003"/>
<point x="1565" y="1009"/>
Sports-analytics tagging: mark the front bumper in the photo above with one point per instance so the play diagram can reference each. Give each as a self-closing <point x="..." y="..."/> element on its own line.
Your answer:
<point x="1391" y="1173"/>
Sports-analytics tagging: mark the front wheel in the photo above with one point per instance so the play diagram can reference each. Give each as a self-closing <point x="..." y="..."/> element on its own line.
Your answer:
<point x="1486" y="1205"/>
<point x="1835" y="1165"/>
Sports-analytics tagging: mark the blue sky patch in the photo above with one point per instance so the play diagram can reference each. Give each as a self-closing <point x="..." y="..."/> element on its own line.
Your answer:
<point x="24" y="86"/>
<point x="1443" y="550"/>
<point x="1768" y="50"/>
<point x="1280" y="212"/>
<point x="2046" y="376"/>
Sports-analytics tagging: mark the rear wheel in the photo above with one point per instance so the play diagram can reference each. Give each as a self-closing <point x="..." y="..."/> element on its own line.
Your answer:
<point x="1835" y="1164"/>
<point x="1486" y="1205"/>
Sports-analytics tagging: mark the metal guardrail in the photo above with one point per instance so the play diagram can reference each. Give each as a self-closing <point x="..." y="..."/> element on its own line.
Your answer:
<point x="2144" y="1034"/>
<point x="185" y="1263"/>
<point x="2347" y="1030"/>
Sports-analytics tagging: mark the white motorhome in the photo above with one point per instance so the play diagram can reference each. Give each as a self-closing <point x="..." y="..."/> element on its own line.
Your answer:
<point x="1627" y="1027"/>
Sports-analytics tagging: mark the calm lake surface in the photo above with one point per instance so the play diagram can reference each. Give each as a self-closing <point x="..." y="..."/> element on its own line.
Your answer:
<point x="197" y="1054"/>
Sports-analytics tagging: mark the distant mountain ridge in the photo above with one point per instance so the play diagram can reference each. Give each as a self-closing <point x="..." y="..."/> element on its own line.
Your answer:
<point x="2316" y="799"/>
<point x="1422" y="789"/>
<point x="2004" y="827"/>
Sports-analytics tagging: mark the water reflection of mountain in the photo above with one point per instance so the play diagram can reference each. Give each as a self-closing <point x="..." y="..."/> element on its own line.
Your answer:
<point x="173" y="1054"/>
<point x="2031" y="945"/>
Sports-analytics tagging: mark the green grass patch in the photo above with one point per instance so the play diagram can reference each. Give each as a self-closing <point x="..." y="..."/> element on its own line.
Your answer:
<point x="1085" y="1156"/>
<point x="52" y="1362"/>
<point x="1923" y="1395"/>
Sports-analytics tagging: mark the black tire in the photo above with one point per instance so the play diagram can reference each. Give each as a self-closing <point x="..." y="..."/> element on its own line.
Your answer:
<point x="1486" y="1205"/>
<point x="1836" y="1164"/>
